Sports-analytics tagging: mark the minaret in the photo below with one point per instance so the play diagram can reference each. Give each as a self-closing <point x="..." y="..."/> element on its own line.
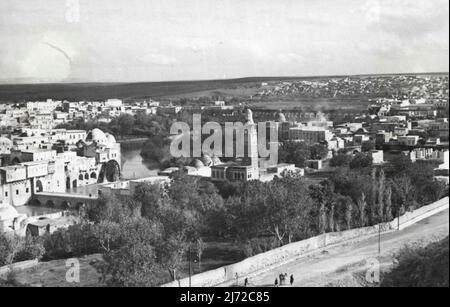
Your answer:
<point x="252" y="143"/>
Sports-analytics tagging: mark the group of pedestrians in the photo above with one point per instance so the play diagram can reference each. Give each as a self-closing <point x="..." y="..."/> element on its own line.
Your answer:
<point x="281" y="280"/>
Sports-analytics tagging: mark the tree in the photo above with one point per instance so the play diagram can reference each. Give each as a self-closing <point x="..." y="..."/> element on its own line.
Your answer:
<point x="150" y="197"/>
<point x="381" y="195"/>
<point x="332" y="217"/>
<point x="15" y="249"/>
<point x="361" y="160"/>
<point x="288" y="208"/>
<point x="388" y="204"/>
<point x="323" y="196"/>
<point x="132" y="266"/>
<point x="403" y="192"/>
<point x="367" y="146"/>
<point x="111" y="207"/>
<point x="9" y="248"/>
<point x="294" y="152"/>
<point x="373" y="203"/>
<point x="131" y="253"/>
<point x="419" y="266"/>
<point x="323" y="218"/>
<point x="398" y="166"/>
<point x="125" y="122"/>
<point x="340" y="160"/>
<point x="343" y="212"/>
<point x="318" y="152"/>
<point x="200" y="248"/>
<point x="349" y="215"/>
<point x="362" y="205"/>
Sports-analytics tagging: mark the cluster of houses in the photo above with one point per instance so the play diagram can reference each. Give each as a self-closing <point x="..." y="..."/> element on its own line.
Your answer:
<point x="36" y="161"/>
<point x="50" y="113"/>
<point x="414" y="87"/>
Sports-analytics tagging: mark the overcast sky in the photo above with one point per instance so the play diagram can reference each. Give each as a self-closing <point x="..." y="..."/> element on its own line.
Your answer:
<point x="159" y="40"/>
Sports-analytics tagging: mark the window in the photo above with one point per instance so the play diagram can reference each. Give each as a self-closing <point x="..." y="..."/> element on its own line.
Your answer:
<point x="28" y="190"/>
<point x="17" y="192"/>
<point x="6" y="194"/>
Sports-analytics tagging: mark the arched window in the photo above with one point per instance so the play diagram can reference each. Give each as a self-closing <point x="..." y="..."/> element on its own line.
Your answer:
<point x="39" y="187"/>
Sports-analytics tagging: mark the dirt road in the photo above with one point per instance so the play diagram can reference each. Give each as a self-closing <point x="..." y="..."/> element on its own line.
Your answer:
<point x="345" y="265"/>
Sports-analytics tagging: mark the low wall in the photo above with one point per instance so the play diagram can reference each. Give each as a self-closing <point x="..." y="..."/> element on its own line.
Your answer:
<point x="410" y="218"/>
<point x="268" y="260"/>
<point x="4" y="270"/>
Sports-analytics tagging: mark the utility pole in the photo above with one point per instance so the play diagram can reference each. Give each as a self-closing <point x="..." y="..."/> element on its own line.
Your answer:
<point x="398" y="217"/>
<point x="379" y="238"/>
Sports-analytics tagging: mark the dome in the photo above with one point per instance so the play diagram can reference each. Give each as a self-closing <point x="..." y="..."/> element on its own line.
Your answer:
<point x="216" y="160"/>
<point x="190" y="170"/>
<point x="96" y="135"/>
<point x="207" y="161"/>
<point x="110" y="138"/>
<point x="8" y="213"/>
<point x="198" y="164"/>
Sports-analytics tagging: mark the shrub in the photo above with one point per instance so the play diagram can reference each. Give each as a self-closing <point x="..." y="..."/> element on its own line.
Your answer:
<point x="15" y="249"/>
<point x="420" y="267"/>
<point x="259" y="245"/>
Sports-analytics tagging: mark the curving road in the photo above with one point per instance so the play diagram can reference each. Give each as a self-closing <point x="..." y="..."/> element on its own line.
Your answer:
<point x="344" y="265"/>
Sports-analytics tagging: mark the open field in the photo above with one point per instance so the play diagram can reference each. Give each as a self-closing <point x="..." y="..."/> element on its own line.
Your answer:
<point x="312" y="103"/>
<point x="172" y="90"/>
<point x="101" y="91"/>
<point x="53" y="273"/>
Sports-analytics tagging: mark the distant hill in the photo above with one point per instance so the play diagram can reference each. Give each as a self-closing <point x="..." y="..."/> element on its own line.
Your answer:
<point x="101" y="91"/>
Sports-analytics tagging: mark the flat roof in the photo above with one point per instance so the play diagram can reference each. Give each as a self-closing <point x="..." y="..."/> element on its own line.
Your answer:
<point x="309" y="128"/>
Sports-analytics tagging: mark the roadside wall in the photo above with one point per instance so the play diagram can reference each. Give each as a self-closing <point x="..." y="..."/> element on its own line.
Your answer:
<point x="268" y="260"/>
<point x="410" y="218"/>
<point x="18" y="266"/>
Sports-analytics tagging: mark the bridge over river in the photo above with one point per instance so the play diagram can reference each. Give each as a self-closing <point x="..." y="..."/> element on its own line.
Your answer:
<point x="62" y="200"/>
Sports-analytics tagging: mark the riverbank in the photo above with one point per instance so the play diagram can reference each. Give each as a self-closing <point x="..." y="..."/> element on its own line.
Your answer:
<point x="128" y="140"/>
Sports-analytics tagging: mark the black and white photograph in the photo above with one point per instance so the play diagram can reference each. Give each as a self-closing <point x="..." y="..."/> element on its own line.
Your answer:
<point x="224" y="151"/>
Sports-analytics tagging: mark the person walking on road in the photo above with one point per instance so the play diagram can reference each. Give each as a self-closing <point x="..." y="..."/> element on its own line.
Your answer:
<point x="292" y="280"/>
<point x="276" y="282"/>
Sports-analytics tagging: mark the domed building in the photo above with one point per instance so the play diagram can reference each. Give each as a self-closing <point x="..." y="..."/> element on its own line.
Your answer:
<point x="216" y="160"/>
<point x="5" y="145"/>
<point x="7" y="216"/>
<point x="97" y="136"/>
<point x="110" y="138"/>
<point x="207" y="161"/>
<point x="106" y="151"/>
<point x="198" y="164"/>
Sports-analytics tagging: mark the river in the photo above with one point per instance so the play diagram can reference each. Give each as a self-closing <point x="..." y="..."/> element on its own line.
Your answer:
<point x="133" y="166"/>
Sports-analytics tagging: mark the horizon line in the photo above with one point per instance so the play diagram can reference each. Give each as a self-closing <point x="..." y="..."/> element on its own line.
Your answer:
<point x="226" y="79"/>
